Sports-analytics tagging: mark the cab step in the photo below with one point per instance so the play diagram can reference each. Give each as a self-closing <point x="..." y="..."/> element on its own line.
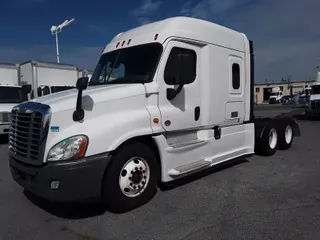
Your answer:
<point x="191" y="167"/>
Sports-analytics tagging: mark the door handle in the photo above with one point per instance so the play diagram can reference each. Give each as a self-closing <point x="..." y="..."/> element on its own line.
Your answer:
<point x="217" y="132"/>
<point x="196" y="113"/>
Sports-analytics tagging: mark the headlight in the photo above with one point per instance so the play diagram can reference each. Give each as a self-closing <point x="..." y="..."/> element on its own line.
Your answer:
<point x="70" y="148"/>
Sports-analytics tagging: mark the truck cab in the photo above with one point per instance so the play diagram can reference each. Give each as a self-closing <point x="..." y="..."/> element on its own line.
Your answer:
<point x="275" y="95"/>
<point x="10" y="96"/>
<point x="165" y="100"/>
<point x="313" y="104"/>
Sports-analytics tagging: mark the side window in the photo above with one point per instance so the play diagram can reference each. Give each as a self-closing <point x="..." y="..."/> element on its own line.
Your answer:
<point x="181" y="67"/>
<point x="235" y="76"/>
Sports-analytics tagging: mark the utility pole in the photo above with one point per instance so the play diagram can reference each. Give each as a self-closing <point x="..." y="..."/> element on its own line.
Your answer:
<point x="57" y="29"/>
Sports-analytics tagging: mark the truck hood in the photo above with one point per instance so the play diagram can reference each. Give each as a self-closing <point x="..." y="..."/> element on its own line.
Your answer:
<point x="67" y="100"/>
<point x="7" y="107"/>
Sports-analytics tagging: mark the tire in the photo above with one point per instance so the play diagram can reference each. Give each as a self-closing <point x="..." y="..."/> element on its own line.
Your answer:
<point x="131" y="180"/>
<point x="286" y="137"/>
<point x="266" y="146"/>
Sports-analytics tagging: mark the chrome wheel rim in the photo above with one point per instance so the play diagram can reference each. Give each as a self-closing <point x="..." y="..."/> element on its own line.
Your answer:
<point x="273" y="138"/>
<point x="288" y="134"/>
<point x="134" y="177"/>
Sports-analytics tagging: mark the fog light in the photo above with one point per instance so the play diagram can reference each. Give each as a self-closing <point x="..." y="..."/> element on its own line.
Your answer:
<point x="55" y="184"/>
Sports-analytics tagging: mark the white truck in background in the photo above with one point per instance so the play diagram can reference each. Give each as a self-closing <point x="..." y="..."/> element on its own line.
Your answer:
<point x="46" y="78"/>
<point x="275" y="95"/>
<point x="10" y="94"/>
<point x="146" y="120"/>
<point x="312" y="107"/>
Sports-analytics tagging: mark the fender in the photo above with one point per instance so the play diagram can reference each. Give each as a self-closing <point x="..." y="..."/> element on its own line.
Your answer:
<point x="261" y="124"/>
<point x="123" y="119"/>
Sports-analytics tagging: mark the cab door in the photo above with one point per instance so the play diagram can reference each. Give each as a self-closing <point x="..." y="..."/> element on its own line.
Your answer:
<point x="180" y="89"/>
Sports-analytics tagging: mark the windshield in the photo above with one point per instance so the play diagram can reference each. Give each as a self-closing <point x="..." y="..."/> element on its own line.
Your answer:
<point x="129" y="65"/>
<point x="315" y="89"/>
<point x="10" y="95"/>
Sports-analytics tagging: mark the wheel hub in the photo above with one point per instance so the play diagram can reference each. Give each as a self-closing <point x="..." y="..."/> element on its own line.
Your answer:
<point x="134" y="177"/>
<point x="137" y="177"/>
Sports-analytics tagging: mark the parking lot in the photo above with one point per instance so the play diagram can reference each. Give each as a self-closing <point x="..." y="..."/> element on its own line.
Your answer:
<point x="274" y="197"/>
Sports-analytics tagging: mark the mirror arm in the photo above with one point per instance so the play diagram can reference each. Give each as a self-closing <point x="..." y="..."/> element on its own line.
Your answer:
<point x="78" y="114"/>
<point x="178" y="90"/>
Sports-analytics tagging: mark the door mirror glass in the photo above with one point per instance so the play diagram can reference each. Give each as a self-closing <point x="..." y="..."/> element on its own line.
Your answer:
<point x="180" y="70"/>
<point x="181" y="67"/>
<point x="82" y="83"/>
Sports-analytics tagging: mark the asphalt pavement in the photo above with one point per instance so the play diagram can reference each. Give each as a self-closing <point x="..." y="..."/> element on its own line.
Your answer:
<point x="274" y="198"/>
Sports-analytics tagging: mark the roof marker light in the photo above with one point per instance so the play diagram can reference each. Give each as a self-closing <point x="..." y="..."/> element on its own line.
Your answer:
<point x="123" y="43"/>
<point x="156" y="36"/>
<point x="129" y="41"/>
<point x="118" y="44"/>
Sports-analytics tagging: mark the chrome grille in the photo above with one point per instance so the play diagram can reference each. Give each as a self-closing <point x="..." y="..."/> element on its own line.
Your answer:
<point x="4" y="117"/>
<point x="315" y="104"/>
<point x="28" y="132"/>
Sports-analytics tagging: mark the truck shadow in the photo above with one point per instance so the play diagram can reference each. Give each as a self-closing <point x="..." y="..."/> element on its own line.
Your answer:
<point x="94" y="209"/>
<point x="306" y="118"/>
<point x="67" y="210"/>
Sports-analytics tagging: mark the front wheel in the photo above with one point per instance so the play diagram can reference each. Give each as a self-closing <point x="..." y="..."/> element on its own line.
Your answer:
<point x="131" y="180"/>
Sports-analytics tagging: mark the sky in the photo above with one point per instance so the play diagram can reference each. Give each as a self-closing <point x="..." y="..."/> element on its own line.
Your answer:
<point x="285" y="32"/>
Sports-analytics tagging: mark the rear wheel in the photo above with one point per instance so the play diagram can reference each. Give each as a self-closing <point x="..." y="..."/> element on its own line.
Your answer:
<point x="267" y="145"/>
<point x="131" y="180"/>
<point x="286" y="137"/>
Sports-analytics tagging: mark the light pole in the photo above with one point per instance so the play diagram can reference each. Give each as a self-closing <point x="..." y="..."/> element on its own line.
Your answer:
<point x="56" y="29"/>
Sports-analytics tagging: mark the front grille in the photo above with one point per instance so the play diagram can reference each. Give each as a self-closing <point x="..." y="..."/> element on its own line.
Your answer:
<point x="315" y="104"/>
<point x="4" y="117"/>
<point x="28" y="132"/>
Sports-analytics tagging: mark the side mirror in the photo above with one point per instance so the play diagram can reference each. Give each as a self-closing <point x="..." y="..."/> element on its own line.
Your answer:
<point x="82" y="83"/>
<point x="172" y="93"/>
<point x="180" y="70"/>
<point x="26" y="89"/>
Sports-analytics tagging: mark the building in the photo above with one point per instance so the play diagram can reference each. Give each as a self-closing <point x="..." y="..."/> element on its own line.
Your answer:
<point x="262" y="90"/>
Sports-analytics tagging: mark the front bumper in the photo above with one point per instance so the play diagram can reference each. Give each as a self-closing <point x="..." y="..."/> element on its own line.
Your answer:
<point x="4" y="129"/>
<point x="80" y="180"/>
<point x="310" y="111"/>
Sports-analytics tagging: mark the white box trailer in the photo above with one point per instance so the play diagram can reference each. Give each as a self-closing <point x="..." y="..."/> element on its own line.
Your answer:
<point x="166" y="100"/>
<point x="9" y="74"/>
<point x="46" y="78"/>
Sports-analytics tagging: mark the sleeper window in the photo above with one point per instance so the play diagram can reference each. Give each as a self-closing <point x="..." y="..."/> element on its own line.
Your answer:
<point x="235" y="76"/>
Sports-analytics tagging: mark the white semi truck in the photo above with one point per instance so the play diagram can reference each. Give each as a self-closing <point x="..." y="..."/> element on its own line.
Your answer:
<point x="275" y="95"/>
<point x="10" y="94"/>
<point x="46" y="78"/>
<point x="312" y="107"/>
<point x="151" y="114"/>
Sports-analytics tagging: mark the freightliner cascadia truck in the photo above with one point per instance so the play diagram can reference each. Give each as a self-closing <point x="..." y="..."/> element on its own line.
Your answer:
<point x="166" y="100"/>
